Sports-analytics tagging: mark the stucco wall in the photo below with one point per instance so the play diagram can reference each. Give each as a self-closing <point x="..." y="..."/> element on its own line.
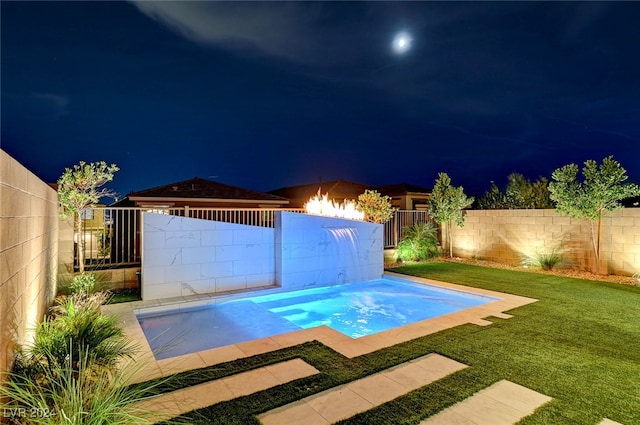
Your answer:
<point x="29" y="253"/>
<point x="509" y="235"/>
<point x="186" y="256"/>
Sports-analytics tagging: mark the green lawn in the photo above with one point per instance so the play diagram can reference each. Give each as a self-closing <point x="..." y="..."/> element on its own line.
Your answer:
<point x="124" y="296"/>
<point x="580" y="344"/>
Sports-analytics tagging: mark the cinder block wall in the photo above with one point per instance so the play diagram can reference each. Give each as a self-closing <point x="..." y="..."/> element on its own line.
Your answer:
<point x="510" y="235"/>
<point x="28" y="254"/>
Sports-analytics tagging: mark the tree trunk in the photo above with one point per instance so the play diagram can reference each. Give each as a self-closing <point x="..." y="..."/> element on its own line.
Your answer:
<point x="450" y="238"/>
<point x="80" y="244"/>
<point x="598" y="271"/>
<point x="595" y="244"/>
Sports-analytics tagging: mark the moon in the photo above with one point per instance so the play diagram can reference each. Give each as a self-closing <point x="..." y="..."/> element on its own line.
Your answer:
<point x="401" y="43"/>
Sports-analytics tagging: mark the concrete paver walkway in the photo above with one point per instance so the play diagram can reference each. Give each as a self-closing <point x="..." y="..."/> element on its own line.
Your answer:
<point x="347" y="400"/>
<point x="503" y="403"/>
<point x="198" y="396"/>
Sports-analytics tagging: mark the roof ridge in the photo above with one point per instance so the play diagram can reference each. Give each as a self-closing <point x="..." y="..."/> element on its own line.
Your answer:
<point x="206" y="189"/>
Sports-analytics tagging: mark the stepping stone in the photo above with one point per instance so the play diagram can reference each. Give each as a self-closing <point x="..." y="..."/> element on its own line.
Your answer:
<point x="503" y="403"/>
<point x="198" y="396"/>
<point x="363" y="394"/>
<point x="607" y="421"/>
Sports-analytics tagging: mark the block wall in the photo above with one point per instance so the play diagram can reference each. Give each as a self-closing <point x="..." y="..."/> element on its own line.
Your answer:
<point x="184" y="256"/>
<point x="28" y="254"/>
<point x="313" y="250"/>
<point x="510" y="235"/>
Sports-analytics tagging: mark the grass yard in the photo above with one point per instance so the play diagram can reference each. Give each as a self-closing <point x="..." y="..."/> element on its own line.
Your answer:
<point x="580" y="344"/>
<point x="124" y="296"/>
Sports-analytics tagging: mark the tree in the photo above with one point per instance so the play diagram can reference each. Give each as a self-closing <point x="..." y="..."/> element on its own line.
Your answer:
<point x="377" y="208"/>
<point x="78" y="188"/>
<point x="541" y="194"/>
<point x="446" y="203"/>
<point x="590" y="199"/>
<point x="520" y="193"/>
<point x="493" y="199"/>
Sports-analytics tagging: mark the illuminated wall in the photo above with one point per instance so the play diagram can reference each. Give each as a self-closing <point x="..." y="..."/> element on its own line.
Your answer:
<point x="313" y="250"/>
<point x="186" y="256"/>
<point x="509" y="235"/>
<point x="29" y="228"/>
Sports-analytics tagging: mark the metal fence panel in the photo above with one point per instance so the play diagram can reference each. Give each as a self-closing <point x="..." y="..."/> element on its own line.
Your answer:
<point x="394" y="228"/>
<point x="111" y="236"/>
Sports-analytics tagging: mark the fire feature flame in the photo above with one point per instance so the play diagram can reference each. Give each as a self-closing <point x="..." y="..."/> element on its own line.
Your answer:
<point x="322" y="205"/>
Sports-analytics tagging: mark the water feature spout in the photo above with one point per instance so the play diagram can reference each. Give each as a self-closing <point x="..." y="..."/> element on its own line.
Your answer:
<point x="348" y="260"/>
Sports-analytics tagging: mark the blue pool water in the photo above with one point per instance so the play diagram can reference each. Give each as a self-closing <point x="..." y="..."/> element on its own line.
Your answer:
<point x="355" y="309"/>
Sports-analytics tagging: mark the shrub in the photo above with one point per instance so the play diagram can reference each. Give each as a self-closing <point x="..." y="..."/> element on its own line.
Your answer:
<point x="377" y="208"/>
<point x="79" y="394"/>
<point x="75" y="326"/>
<point x="70" y="374"/>
<point x="419" y="242"/>
<point x="84" y="283"/>
<point x="545" y="260"/>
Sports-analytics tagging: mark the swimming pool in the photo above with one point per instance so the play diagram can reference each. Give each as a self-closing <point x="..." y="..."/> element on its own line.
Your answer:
<point x="355" y="309"/>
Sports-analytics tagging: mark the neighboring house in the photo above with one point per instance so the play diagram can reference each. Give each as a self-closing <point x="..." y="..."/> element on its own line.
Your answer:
<point x="406" y="196"/>
<point x="200" y="193"/>
<point x="403" y="196"/>
<point x="94" y="231"/>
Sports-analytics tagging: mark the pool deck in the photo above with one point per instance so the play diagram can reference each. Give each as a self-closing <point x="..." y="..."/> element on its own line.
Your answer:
<point x="174" y="404"/>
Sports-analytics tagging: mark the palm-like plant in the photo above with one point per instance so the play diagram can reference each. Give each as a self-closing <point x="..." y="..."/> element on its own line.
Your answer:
<point x="419" y="242"/>
<point x="79" y="327"/>
<point x="70" y="375"/>
<point x="78" y="394"/>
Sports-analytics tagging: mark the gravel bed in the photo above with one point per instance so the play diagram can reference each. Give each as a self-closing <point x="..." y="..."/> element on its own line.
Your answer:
<point x="579" y="274"/>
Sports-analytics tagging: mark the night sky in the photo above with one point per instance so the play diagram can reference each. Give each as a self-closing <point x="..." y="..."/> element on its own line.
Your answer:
<point x="265" y="95"/>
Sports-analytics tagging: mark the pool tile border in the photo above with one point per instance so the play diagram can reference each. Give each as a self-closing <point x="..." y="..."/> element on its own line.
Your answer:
<point x="151" y="368"/>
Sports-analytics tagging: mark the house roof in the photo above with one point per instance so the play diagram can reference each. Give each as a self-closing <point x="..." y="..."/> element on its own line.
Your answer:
<point x="205" y="190"/>
<point x="345" y="188"/>
<point x="336" y="188"/>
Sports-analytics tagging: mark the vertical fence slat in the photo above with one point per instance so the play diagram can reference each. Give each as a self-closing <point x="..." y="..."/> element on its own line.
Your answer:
<point x="394" y="229"/>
